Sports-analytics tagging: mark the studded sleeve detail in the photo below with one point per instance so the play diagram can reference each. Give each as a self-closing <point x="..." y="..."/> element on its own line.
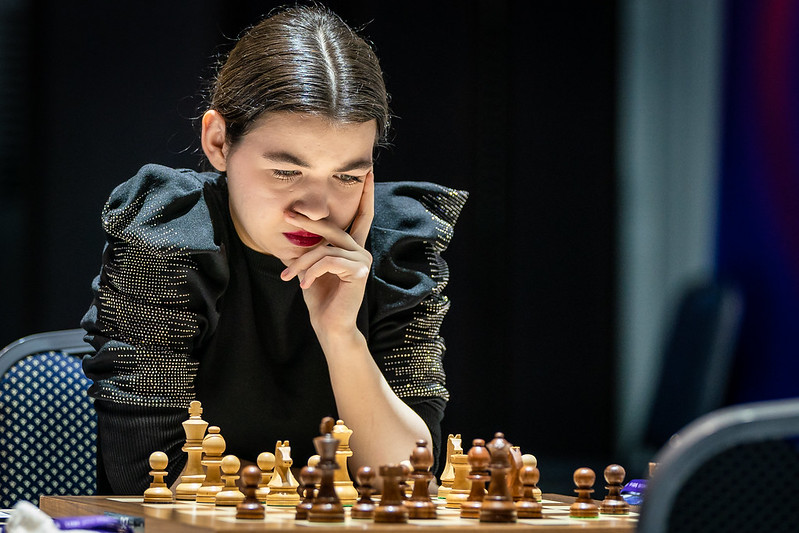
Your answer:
<point x="145" y="321"/>
<point x="406" y="336"/>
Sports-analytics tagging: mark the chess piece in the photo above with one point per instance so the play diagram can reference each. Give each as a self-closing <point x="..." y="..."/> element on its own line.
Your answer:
<point x="391" y="508"/>
<point x="498" y="503"/>
<point x="309" y="477"/>
<point x="529" y="459"/>
<point x="478" y="459"/>
<point x="613" y="502"/>
<point x="326" y="506"/>
<point x="584" y="506"/>
<point x="283" y="485"/>
<point x="344" y="486"/>
<point x="158" y="492"/>
<point x="250" y="508"/>
<point x="419" y="504"/>
<point x="448" y="474"/>
<point x="459" y="492"/>
<point x="528" y="506"/>
<point x="213" y="448"/>
<point x="364" y="507"/>
<point x="514" y="481"/>
<point x="193" y="475"/>
<point x="266" y="463"/>
<point x="230" y="493"/>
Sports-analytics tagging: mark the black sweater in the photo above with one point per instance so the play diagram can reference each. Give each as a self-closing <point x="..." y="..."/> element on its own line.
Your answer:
<point x="184" y="310"/>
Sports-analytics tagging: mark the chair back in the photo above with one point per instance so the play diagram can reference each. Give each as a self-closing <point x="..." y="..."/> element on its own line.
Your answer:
<point x="48" y="425"/>
<point x="697" y="354"/>
<point x="697" y="359"/>
<point x="736" y="469"/>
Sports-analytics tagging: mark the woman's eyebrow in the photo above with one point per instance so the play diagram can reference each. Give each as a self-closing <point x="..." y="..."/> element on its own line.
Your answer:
<point x="361" y="163"/>
<point x="357" y="164"/>
<point x="286" y="157"/>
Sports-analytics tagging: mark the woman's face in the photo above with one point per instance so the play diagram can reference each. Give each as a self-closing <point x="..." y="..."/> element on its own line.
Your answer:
<point x="301" y="163"/>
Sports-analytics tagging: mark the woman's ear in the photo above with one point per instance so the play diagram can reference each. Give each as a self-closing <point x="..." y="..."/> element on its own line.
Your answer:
<point x="213" y="139"/>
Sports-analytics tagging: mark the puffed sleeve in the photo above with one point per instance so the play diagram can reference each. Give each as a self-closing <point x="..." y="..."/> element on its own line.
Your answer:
<point x="154" y="305"/>
<point x="413" y="225"/>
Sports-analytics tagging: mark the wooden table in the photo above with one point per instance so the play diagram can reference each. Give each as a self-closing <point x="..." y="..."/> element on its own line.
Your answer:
<point x="200" y="518"/>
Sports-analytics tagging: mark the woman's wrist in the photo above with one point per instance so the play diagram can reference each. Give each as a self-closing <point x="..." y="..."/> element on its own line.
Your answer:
<point x="341" y="340"/>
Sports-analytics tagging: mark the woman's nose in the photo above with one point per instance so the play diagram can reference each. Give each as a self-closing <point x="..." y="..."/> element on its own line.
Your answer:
<point x="313" y="204"/>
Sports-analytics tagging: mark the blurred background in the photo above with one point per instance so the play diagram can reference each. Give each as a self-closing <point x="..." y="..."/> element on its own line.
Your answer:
<point x="629" y="255"/>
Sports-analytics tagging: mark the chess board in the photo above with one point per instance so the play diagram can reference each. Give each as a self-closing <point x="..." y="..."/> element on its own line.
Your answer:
<point x="198" y="518"/>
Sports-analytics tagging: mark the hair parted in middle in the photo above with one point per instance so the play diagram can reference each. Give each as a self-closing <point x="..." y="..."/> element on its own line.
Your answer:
<point x="302" y="59"/>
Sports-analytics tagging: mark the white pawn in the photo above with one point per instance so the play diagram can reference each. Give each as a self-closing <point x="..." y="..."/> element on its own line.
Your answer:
<point x="266" y="462"/>
<point x="230" y="493"/>
<point x="158" y="491"/>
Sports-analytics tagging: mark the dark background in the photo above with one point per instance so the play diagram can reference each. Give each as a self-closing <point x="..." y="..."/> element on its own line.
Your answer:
<point x="513" y="101"/>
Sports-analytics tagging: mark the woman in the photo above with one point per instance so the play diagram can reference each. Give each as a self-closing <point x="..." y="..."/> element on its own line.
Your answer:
<point x="286" y="285"/>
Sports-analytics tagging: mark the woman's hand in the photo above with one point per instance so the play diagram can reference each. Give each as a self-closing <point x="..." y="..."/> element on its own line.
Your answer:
<point x="333" y="280"/>
<point x="333" y="277"/>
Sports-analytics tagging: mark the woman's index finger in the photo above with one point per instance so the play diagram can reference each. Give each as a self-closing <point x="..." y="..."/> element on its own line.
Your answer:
<point x="366" y="211"/>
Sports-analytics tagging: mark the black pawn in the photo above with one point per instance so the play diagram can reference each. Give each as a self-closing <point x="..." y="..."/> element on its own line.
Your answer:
<point x="613" y="502"/>
<point x="250" y="508"/>
<point x="365" y="506"/>
<point x="584" y="506"/>
<point x="309" y="477"/>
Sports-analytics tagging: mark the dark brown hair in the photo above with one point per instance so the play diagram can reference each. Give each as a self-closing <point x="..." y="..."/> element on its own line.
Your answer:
<point x="301" y="59"/>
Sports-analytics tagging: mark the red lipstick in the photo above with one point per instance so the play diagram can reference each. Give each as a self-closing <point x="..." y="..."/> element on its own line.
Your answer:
<point x="303" y="238"/>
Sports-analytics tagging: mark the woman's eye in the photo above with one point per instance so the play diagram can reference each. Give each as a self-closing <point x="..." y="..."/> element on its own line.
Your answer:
<point x="285" y="175"/>
<point x="349" y="179"/>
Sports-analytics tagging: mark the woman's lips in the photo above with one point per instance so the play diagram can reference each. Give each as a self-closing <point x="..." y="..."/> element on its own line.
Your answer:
<point x="303" y="238"/>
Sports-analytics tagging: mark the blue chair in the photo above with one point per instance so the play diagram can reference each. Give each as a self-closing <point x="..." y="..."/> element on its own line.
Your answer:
<point x="735" y="469"/>
<point x="48" y="426"/>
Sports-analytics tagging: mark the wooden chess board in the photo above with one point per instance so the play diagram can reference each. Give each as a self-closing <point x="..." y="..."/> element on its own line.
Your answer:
<point x="199" y="518"/>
